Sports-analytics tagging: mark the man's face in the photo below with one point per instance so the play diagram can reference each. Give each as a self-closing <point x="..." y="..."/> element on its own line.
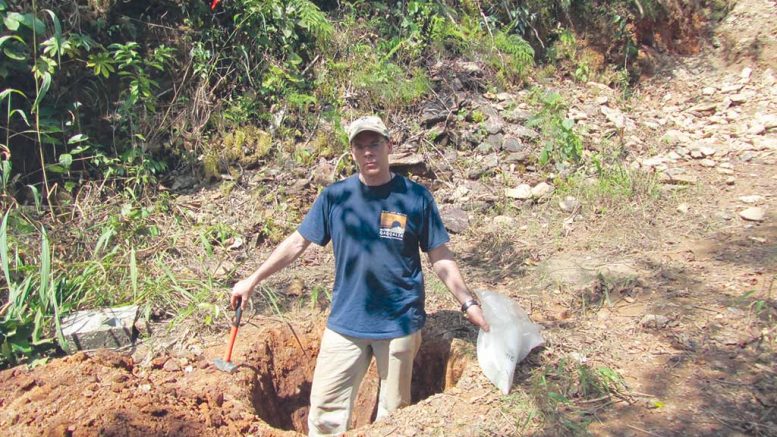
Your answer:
<point x="370" y="150"/>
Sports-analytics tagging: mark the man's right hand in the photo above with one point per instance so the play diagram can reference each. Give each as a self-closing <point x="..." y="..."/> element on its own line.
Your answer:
<point x="243" y="289"/>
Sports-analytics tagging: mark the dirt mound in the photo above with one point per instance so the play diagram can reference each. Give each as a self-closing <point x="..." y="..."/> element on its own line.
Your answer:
<point x="107" y="393"/>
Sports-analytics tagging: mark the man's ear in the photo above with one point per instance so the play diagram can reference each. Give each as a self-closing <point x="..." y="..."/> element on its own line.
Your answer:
<point x="390" y="145"/>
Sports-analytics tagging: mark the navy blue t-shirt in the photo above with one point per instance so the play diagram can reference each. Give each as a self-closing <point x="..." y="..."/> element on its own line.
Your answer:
<point x="376" y="233"/>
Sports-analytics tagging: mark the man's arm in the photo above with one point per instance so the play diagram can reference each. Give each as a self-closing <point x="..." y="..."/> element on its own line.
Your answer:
<point x="282" y="256"/>
<point x="448" y="272"/>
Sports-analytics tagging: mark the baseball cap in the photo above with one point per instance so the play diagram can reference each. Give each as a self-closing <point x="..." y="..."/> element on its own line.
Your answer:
<point x="369" y="123"/>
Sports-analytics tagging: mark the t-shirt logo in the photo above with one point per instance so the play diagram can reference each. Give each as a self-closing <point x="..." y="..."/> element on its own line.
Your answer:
<point x="392" y="225"/>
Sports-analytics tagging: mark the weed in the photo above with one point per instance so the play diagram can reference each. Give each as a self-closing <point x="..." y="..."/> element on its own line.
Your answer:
<point x="562" y="146"/>
<point x="556" y="387"/>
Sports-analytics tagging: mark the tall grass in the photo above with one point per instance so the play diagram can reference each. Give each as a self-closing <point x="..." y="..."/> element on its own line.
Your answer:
<point x="34" y="300"/>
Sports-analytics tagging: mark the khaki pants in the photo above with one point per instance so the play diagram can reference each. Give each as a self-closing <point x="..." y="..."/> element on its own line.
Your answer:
<point x="341" y="365"/>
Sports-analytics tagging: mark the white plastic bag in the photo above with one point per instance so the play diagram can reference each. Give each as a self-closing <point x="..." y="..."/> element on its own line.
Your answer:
<point x="511" y="338"/>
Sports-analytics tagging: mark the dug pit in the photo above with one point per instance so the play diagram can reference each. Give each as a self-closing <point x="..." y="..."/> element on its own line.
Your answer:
<point x="284" y="362"/>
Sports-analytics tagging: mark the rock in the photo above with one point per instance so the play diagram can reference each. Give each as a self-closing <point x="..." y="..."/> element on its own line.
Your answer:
<point x="171" y="365"/>
<point x="577" y="270"/>
<point x="299" y="185"/>
<point x="709" y="163"/>
<point x="732" y="88"/>
<point x="484" y="148"/>
<point x="495" y="141"/>
<point x="322" y="174"/>
<point x="754" y="199"/>
<point x="738" y="99"/>
<point x="577" y="115"/>
<point x="494" y="125"/>
<point x="517" y="116"/>
<point x="683" y="208"/>
<point x="183" y="182"/>
<point x="541" y="190"/>
<point x="677" y="179"/>
<point x="653" y="162"/>
<point x="512" y="144"/>
<point x="406" y="159"/>
<point x="521" y="192"/>
<point x="569" y="204"/>
<point x="523" y="156"/>
<point x="754" y="214"/>
<point x="696" y="154"/>
<point x="707" y="151"/>
<point x="745" y="75"/>
<point x="673" y="156"/>
<point x="103" y="328"/>
<point x="731" y="180"/>
<point x="756" y="129"/>
<point x="674" y="136"/>
<point x="469" y="67"/>
<point x="708" y="91"/>
<point x="456" y="219"/>
<point x="768" y="121"/>
<point x="615" y="116"/>
<point x="459" y="194"/>
<point x="602" y="100"/>
<point x="524" y="133"/>
<point x="703" y="107"/>
<point x="654" y="321"/>
<point x="723" y="215"/>
<point x="504" y="96"/>
<point x="434" y="112"/>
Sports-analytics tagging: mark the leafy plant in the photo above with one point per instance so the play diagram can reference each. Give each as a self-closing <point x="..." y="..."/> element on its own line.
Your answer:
<point x="34" y="299"/>
<point x="562" y="145"/>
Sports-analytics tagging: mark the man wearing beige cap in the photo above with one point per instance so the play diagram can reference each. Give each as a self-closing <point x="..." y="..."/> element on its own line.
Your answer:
<point x="377" y="222"/>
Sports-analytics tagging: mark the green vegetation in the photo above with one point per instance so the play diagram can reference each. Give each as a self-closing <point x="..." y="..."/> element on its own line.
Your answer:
<point x="102" y="102"/>
<point x="561" y="144"/>
<point x="565" y="392"/>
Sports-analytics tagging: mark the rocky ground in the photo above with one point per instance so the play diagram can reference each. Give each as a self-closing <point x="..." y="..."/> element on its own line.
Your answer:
<point x="671" y="286"/>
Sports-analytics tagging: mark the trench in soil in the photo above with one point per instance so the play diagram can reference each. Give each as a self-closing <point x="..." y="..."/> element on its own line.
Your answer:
<point x="284" y="364"/>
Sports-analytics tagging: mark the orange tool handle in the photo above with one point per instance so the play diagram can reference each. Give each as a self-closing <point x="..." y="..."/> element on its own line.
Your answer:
<point x="233" y="332"/>
<point x="232" y="336"/>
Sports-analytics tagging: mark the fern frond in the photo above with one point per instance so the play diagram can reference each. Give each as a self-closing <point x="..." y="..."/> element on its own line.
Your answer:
<point x="311" y="18"/>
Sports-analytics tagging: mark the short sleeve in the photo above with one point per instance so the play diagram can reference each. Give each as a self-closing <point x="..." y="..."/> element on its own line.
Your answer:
<point x="433" y="233"/>
<point x="315" y="226"/>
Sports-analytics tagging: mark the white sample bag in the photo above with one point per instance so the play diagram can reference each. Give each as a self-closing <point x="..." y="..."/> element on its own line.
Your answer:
<point x="512" y="336"/>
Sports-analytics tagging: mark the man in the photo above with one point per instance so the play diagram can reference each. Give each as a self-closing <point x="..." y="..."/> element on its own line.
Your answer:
<point x="377" y="221"/>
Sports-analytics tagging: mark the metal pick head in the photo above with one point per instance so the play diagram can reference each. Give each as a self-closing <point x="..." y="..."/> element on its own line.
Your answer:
<point x="225" y="366"/>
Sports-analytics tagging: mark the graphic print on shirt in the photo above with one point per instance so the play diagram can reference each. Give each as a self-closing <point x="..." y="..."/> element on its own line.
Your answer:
<point x="392" y="225"/>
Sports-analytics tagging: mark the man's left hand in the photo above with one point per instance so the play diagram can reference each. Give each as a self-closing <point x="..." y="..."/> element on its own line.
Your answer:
<point x="475" y="316"/>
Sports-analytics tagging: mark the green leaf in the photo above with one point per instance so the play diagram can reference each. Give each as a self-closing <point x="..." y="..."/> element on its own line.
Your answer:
<point x="77" y="139"/>
<point x="66" y="160"/>
<point x="8" y="91"/>
<point x="568" y="123"/>
<point x="55" y="20"/>
<point x="22" y="114"/>
<point x="35" y="196"/>
<point x="134" y="275"/>
<point x="4" y="252"/>
<point x="14" y="19"/>
<point x="44" y="88"/>
<point x="12" y="37"/>
<point x="56" y="168"/>
<point x="14" y="55"/>
<point x="79" y="149"/>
